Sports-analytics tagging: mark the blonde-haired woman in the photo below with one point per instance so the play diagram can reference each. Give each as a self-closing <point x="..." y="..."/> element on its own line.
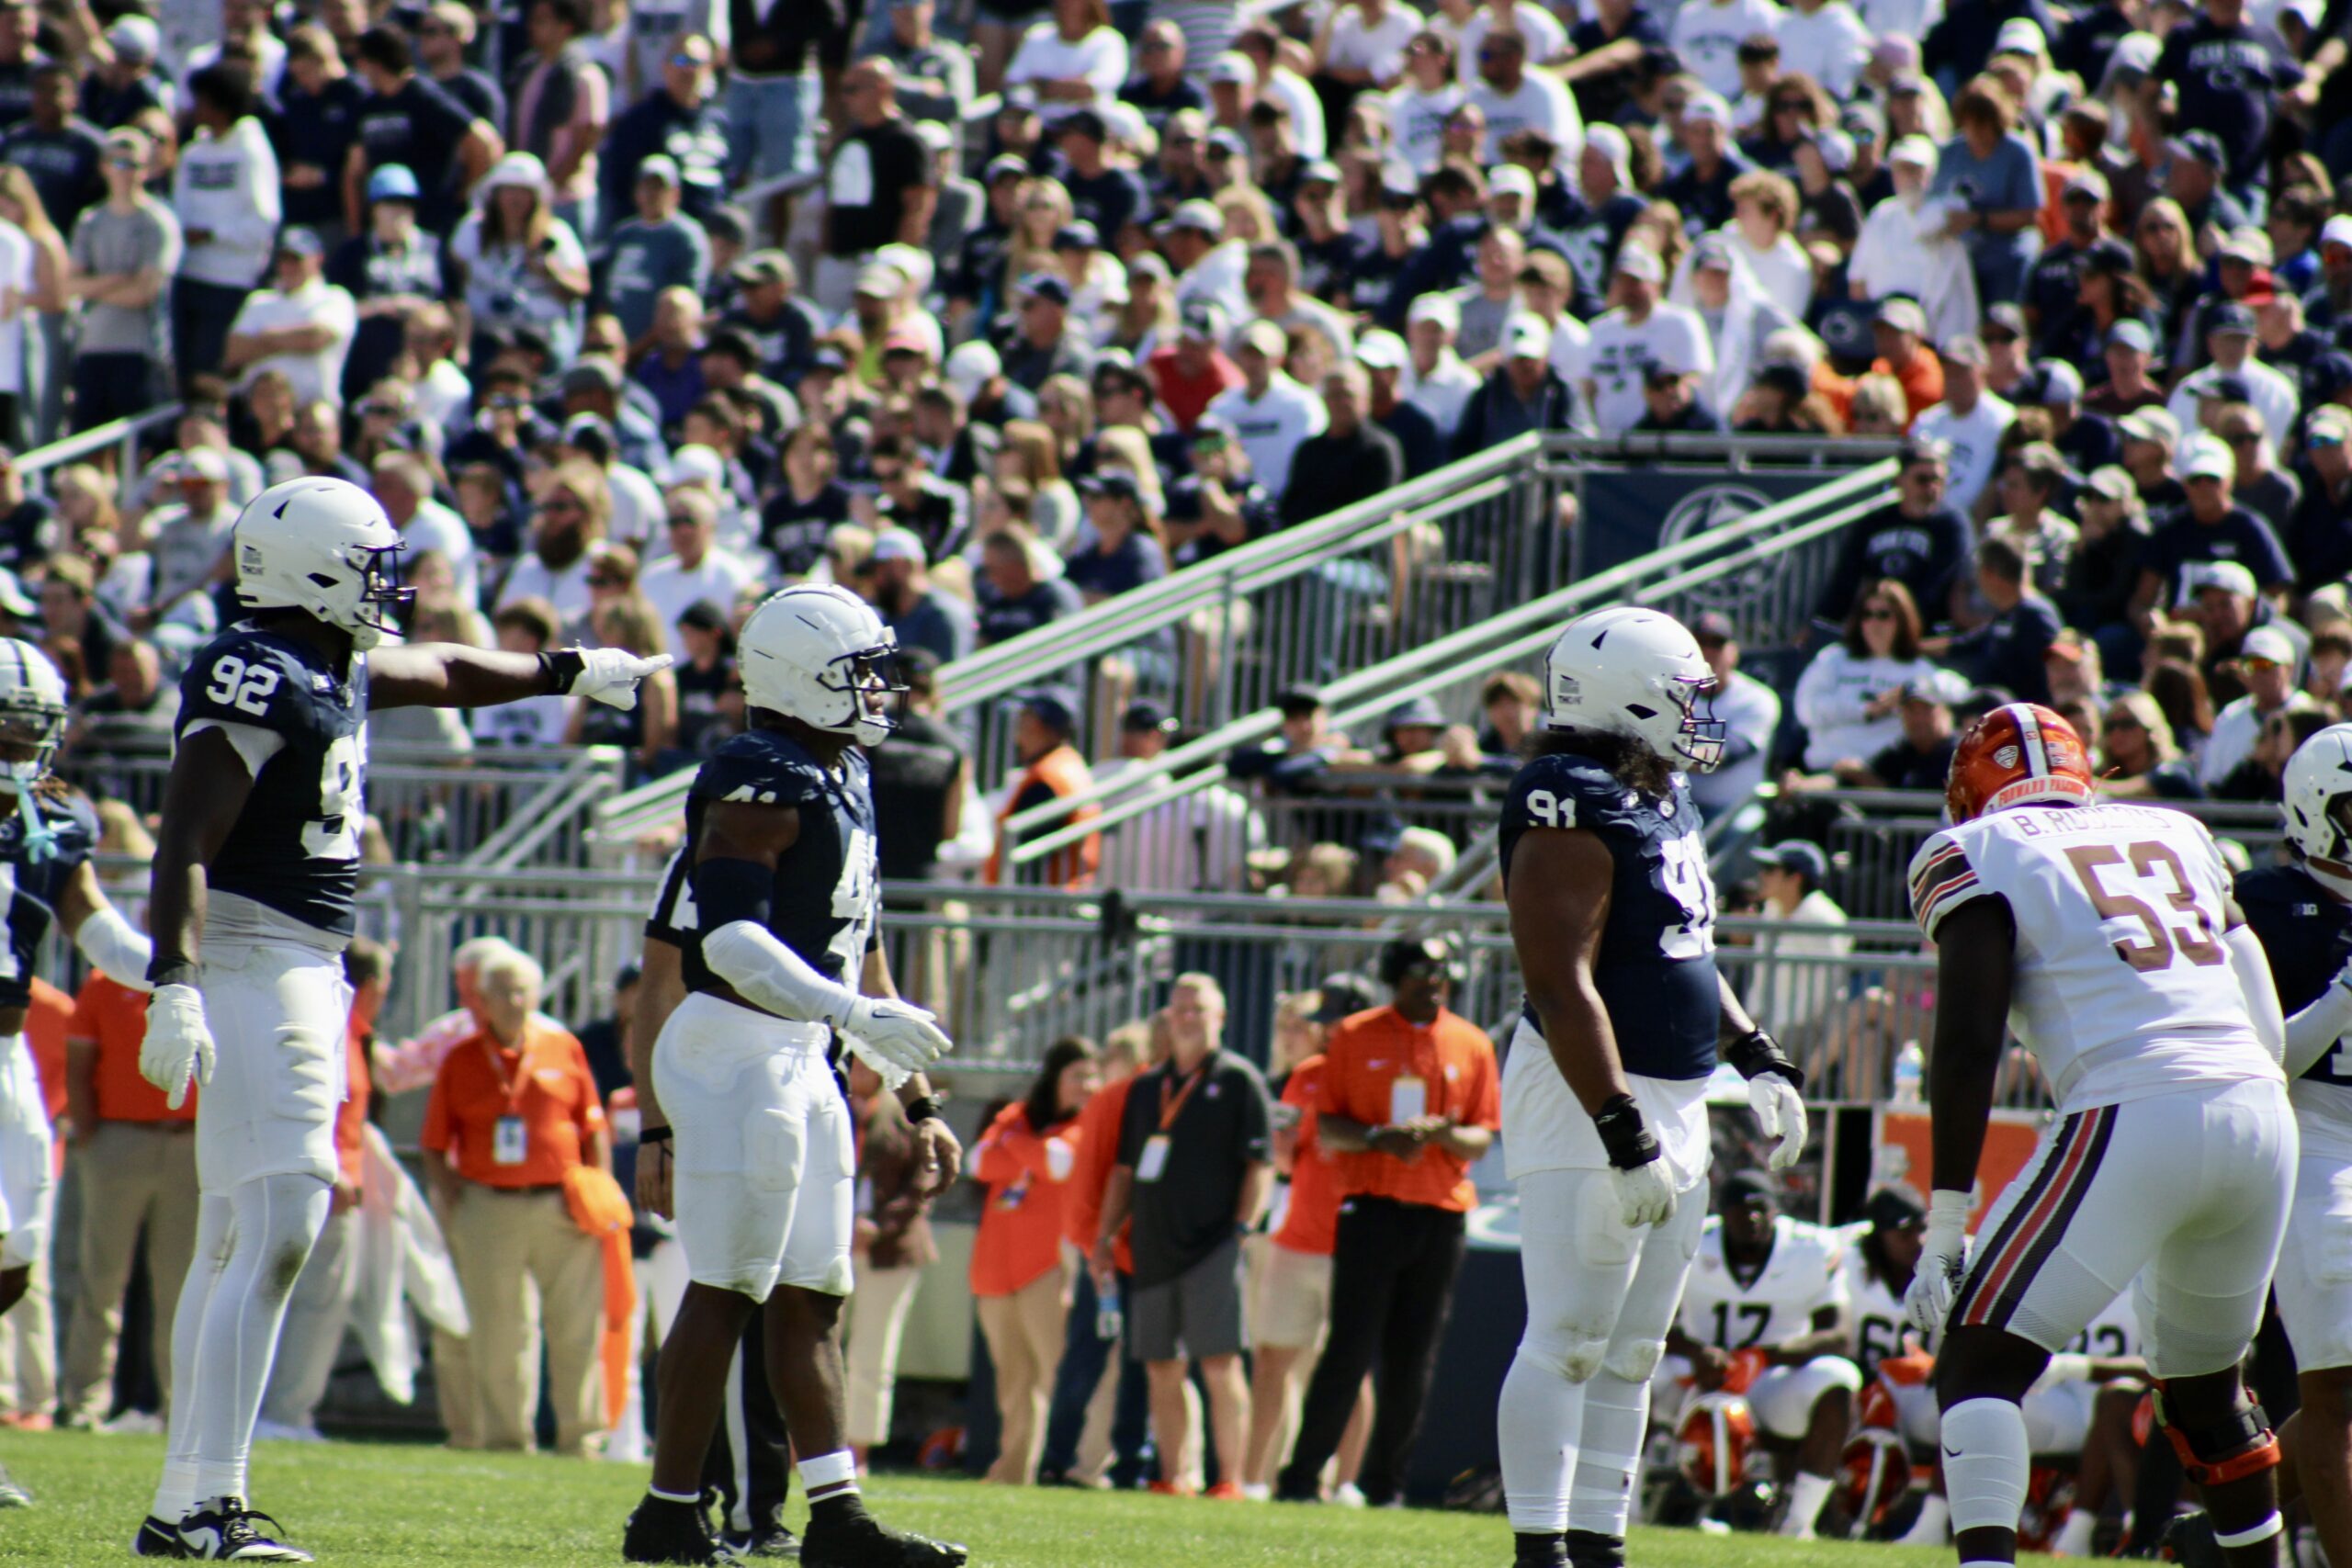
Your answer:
<point x="1045" y="211"/>
<point x="47" y="361"/>
<point x="523" y="265"/>
<point x="2140" y="759"/>
<point x="1032" y="455"/>
<point x="1764" y="214"/>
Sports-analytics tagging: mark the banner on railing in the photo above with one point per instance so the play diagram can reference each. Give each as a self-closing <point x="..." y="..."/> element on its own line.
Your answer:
<point x="1630" y="513"/>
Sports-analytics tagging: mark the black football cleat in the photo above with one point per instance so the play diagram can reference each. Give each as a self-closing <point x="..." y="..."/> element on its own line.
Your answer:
<point x="223" y="1531"/>
<point x="858" y="1541"/>
<point x="664" y="1530"/>
<point x="771" y="1540"/>
<point x="158" y="1538"/>
<point x="2189" y="1540"/>
<point x="1590" y="1548"/>
<point x="1533" y="1549"/>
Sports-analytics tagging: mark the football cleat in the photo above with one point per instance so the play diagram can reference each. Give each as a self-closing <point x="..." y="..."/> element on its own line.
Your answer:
<point x="158" y="1538"/>
<point x="223" y="1532"/>
<point x="858" y="1541"/>
<point x="771" y="1540"/>
<point x="662" y="1530"/>
<point x="1590" y="1548"/>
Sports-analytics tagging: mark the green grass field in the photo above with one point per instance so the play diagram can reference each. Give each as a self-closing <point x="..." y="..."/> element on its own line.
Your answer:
<point x="390" y="1506"/>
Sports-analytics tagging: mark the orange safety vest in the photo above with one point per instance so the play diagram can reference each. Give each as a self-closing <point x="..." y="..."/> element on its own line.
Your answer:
<point x="1071" y="867"/>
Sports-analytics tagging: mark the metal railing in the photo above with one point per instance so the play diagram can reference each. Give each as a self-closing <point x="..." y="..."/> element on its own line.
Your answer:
<point x="121" y="435"/>
<point x="1778" y="556"/>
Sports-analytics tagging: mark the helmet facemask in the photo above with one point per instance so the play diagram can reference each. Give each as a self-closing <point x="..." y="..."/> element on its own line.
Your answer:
<point x="1702" y="737"/>
<point x="381" y="599"/>
<point x="31" y="732"/>
<point x="867" y="683"/>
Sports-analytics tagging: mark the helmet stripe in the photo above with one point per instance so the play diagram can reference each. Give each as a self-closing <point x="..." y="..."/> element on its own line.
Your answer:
<point x="2030" y="732"/>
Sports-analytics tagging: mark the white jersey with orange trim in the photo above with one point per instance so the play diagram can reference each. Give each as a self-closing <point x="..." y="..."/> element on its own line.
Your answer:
<point x="1805" y="1275"/>
<point x="2123" y="984"/>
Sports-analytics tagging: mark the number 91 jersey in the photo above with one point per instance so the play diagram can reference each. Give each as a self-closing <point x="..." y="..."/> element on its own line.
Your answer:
<point x="301" y="728"/>
<point x="2123" y="986"/>
<point x="828" y="885"/>
<point x="1656" y="968"/>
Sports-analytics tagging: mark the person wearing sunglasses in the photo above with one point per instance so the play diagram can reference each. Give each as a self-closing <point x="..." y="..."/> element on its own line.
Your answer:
<point x="2316" y="537"/>
<point x="678" y="118"/>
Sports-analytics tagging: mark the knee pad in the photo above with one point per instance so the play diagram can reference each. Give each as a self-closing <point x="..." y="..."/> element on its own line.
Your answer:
<point x="1835" y="1372"/>
<point x="1570" y="1359"/>
<point x="1635" y="1363"/>
<point x="2241" y="1445"/>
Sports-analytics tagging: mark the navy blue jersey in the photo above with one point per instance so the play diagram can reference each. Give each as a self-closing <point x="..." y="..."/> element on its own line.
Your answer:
<point x="1656" y="969"/>
<point x="827" y="888"/>
<point x="295" y="848"/>
<point x="2307" y="936"/>
<point x="30" y="889"/>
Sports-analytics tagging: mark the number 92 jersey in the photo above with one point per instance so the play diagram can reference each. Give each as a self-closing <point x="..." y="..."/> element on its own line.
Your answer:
<point x="301" y="729"/>
<point x="827" y="887"/>
<point x="2123" y="986"/>
<point x="1656" y="966"/>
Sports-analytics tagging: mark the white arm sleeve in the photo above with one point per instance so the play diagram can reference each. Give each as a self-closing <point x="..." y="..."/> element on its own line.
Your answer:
<point x="118" y="951"/>
<point x="2313" y="1033"/>
<point x="2253" y="969"/>
<point x="750" y="958"/>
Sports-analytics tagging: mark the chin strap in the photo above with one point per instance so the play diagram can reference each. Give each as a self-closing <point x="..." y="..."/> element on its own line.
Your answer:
<point x="40" y="838"/>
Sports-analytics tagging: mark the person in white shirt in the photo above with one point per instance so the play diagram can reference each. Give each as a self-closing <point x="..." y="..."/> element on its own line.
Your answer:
<point x="1271" y="282"/>
<point x="1280" y="84"/>
<point x="302" y="328"/>
<point x="226" y="195"/>
<point x="1423" y="102"/>
<point x="1906" y="247"/>
<point x="1792" y="994"/>
<point x="1198" y="843"/>
<point x="1547" y="40"/>
<point x="1437" y="382"/>
<point x="1514" y="98"/>
<point x="1750" y="712"/>
<point x="1074" y="60"/>
<point x="1642" y="332"/>
<point x="1269" y="413"/>
<point x="2267" y="659"/>
<point x="1362" y="43"/>
<point x="1849" y="698"/>
<point x="1969" y="421"/>
<point x="1209" y="266"/>
<point x="2229" y="338"/>
<point x="1825" y="40"/>
<point x="1764" y="214"/>
<point x="696" y="567"/>
<point x="1707" y="35"/>
<point x="404" y="487"/>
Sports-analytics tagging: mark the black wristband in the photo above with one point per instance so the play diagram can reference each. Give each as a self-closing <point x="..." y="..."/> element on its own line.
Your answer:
<point x="162" y="970"/>
<point x="654" y="1135"/>
<point x="1623" y="1134"/>
<point x="1757" y="1052"/>
<point x="563" y="669"/>
<point x="926" y="1108"/>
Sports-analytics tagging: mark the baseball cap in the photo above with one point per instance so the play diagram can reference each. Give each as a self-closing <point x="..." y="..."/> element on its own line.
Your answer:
<point x="1415" y="713"/>
<point x="1707" y="108"/>
<point x="1213" y="430"/>
<point x="1195" y="214"/>
<point x="2270" y="643"/>
<point x="661" y="166"/>
<point x="2198" y="147"/>
<point x="1713" y="252"/>
<point x="897" y="544"/>
<point x="1944" y="687"/>
<point x="1203" y="321"/>
<point x="1714" y="625"/>
<point x="1293" y="700"/>
<point x="2089" y="183"/>
<point x="704" y="616"/>
<point x="393" y="182"/>
<point x="1796" y="854"/>
<point x="2249" y="245"/>
<point x="1344" y="995"/>
<point x="2154" y="422"/>
<point x="2228" y="576"/>
<point x="1267" y="337"/>
<point x="1005" y="165"/>
<point x="1052" y="288"/>
<point x="1054" y="706"/>
<point x="1905" y="316"/>
<point x="1232" y="67"/>
<point x="2060" y="383"/>
<point x="1526" y="337"/>
<point x="881" y="280"/>
<point x="971" y="367"/>
<point x="1397" y="179"/>
<point x="1510" y="180"/>
<point x="1145" y="715"/>
<point x="2003" y="318"/>
<point x="761" y="266"/>
<point x="204" y="463"/>
<point x="2112" y="483"/>
<point x="1916" y="150"/>
<point x="1320" y="172"/>
<point x="1227" y="142"/>
<point x="1892" y="1209"/>
<point x="934" y="136"/>
<point x="1077" y="235"/>
<point x="2337" y="231"/>
<point x="1440" y="308"/>
<point x="594" y="374"/>
<point x="1836" y="147"/>
<point x="1379" y="350"/>
<point x="1111" y="481"/>
<point x="300" y="241"/>
<point x="695" y="464"/>
<point x="1640" y="261"/>
<point x="2230" y="317"/>
<point x="2133" y="333"/>
<point x="2228" y="389"/>
<point x="905" y="340"/>
<point x="2020" y="35"/>
<point x="2208" y="460"/>
<point x="135" y="38"/>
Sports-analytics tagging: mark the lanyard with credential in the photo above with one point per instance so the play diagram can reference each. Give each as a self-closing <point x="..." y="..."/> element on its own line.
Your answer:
<point x="1170" y="1110"/>
<point x="510" y="1142"/>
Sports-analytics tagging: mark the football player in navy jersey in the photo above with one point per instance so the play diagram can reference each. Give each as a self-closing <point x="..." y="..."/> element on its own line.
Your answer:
<point x="2302" y="913"/>
<point x="256" y="868"/>
<point x="45" y="874"/>
<point x="1604" y="1092"/>
<point x="780" y="958"/>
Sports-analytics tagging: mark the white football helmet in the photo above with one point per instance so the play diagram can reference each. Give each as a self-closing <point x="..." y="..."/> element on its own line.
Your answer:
<point x="324" y="546"/>
<point x="820" y="654"/>
<point x="32" y="712"/>
<point x="2318" y="796"/>
<point x="1635" y="672"/>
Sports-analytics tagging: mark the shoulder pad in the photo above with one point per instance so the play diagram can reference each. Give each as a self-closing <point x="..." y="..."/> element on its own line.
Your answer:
<point x="763" y="767"/>
<point x="1942" y="879"/>
<point x="245" y="677"/>
<point x="1564" y="790"/>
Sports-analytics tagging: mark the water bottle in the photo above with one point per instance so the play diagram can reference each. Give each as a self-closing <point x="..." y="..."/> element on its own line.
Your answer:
<point x="1910" y="1066"/>
<point x="1109" y="1321"/>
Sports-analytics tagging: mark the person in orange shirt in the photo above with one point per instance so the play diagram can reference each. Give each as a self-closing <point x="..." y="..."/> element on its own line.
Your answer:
<point x="1020" y="1276"/>
<point x="513" y="1109"/>
<point x="1899" y="330"/>
<point x="134" y="1165"/>
<point x="322" y="1300"/>
<point x="1079" y="1382"/>
<point x="1051" y="768"/>
<point x="1410" y="1097"/>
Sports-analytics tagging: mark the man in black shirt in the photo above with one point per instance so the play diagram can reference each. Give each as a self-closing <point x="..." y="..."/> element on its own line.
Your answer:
<point x="767" y="310"/>
<point x="412" y="122"/>
<point x="1013" y="598"/>
<point x="443" y="34"/>
<point x="1353" y="459"/>
<point x="59" y="149"/>
<point x="1384" y="359"/>
<point x="1918" y="541"/>
<point x="678" y="118"/>
<point x="1111" y="198"/>
<point x="2210" y="527"/>
<point x="18" y="58"/>
<point x="1922" y="759"/>
<point x="1193" y="1172"/>
<point x="1042" y="345"/>
<point x="879" y="186"/>
<point x="2007" y="651"/>
<point x="1217" y="505"/>
<point x="918" y="779"/>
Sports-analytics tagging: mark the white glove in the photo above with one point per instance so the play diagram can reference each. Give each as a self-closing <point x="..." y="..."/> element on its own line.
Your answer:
<point x="179" y="1046"/>
<point x="1645" y="1193"/>
<point x="1943" y="1258"/>
<point x="610" y="674"/>
<point x="1779" y="1110"/>
<point x="889" y="1072"/>
<point x="900" y="1033"/>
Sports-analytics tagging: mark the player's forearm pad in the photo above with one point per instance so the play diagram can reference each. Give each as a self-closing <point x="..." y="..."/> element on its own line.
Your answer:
<point x="762" y="970"/>
<point x="2252" y="967"/>
<point x="118" y="951"/>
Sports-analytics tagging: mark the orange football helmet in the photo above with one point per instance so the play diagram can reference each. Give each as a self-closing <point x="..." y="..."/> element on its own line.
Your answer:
<point x="1712" y="1442"/>
<point x="1874" y="1471"/>
<point x="2014" y="754"/>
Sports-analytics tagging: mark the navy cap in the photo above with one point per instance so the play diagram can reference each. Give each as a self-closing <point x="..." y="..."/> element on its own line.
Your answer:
<point x="1796" y="854"/>
<point x="1053" y="706"/>
<point x="2331" y="372"/>
<point x="2202" y="146"/>
<point x="1111" y="481"/>
<point x="1145" y="715"/>
<point x="2230" y="316"/>
<point x="1743" y="1185"/>
<point x="1298" y="699"/>
<point x="1077" y="235"/>
<point x="1081" y="122"/>
<point x="1223" y="140"/>
<point x="1344" y="995"/>
<point x="2229" y="390"/>
<point x="1045" y="286"/>
<point x="1415" y="711"/>
<point x="1714" y="625"/>
<point x="1892" y="1209"/>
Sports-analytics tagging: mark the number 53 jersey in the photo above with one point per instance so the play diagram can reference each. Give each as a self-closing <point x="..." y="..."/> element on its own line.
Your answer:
<point x="2123" y="985"/>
